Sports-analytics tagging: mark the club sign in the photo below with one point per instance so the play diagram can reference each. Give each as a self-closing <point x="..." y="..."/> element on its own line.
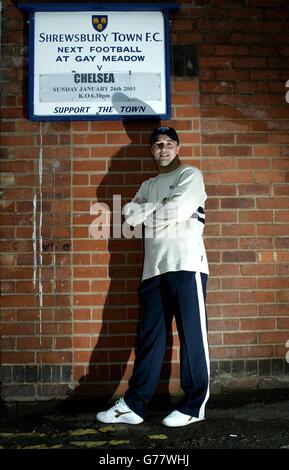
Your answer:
<point x="103" y="64"/>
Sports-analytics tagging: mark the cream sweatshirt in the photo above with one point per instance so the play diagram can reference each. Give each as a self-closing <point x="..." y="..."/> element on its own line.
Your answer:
<point x="174" y="218"/>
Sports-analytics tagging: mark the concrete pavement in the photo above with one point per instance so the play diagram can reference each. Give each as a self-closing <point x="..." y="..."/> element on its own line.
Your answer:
<point x="240" y="420"/>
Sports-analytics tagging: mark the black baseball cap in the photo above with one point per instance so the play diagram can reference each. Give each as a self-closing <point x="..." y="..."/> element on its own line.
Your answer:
<point x="169" y="131"/>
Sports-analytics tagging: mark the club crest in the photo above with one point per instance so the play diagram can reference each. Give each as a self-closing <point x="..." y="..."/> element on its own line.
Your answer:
<point x="99" y="22"/>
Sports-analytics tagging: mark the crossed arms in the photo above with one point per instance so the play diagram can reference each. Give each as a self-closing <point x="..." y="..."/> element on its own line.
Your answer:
<point x="183" y="201"/>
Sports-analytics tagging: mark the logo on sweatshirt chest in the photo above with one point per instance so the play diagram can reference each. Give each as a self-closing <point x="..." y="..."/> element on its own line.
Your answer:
<point x="172" y="187"/>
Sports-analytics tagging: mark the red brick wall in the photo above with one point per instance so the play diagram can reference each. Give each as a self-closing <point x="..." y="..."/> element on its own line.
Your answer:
<point x="69" y="302"/>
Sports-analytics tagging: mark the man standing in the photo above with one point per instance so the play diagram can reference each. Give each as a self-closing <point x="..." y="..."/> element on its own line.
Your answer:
<point x="175" y="271"/>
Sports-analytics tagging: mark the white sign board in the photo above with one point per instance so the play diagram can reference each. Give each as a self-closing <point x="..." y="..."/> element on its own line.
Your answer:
<point x="99" y="65"/>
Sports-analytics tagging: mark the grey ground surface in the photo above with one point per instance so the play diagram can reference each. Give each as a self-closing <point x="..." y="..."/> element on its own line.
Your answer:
<point x="243" y="420"/>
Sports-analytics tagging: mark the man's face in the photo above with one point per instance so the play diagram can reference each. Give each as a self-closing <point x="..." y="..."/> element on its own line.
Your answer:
<point x="164" y="150"/>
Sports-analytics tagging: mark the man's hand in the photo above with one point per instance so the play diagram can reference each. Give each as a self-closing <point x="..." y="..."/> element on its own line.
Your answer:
<point x="139" y="200"/>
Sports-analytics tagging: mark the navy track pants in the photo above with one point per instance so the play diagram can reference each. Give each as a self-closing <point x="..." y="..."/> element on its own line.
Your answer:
<point x="180" y="293"/>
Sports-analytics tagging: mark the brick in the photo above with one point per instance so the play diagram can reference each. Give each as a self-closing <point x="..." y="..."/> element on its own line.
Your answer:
<point x="223" y="325"/>
<point x="187" y="111"/>
<point x="218" y="62"/>
<point x="256" y="351"/>
<point x="272" y="310"/>
<point x="261" y="164"/>
<point x="80" y="126"/>
<point x="277" y="367"/>
<point x="242" y="203"/>
<point x="273" y="283"/>
<point x="225" y="352"/>
<point x="18" y="374"/>
<point x="28" y="343"/>
<point x="257" y="324"/>
<point x="225" y="367"/>
<point x="31" y="374"/>
<point x="283" y="323"/>
<point x="80" y="152"/>
<point x="182" y="25"/>
<point x="88" y="139"/>
<point x="256" y="216"/>
<point x="191" y="86"/>
<point x="241" y="256"/>
<point x="280" y="229"/>
<point x="222" y="297"/>
<point x="238" y="230"/>
<point x="282" y="296"/>
<point x="240" y="338"/>
<point x="264" y="367"/>
<point x="52" y="390"/>
<point x="6" y="374"/>
<point x="282" y="256"/>
<point x="218" y="243"/>
<point x="18" y="392"/>
<point x="273" y="337"/>
<point x="8" y="344"/>
<point x="45" y="373"/>
<point x="238" y="367"/>
<point x="17" y="357"/>
<point x="55" y="374"/>
<point x="282" y="242"/>
<point x="239" y="283"/>
<point x="53" y="357"/>
<point x="265" y="75"/>
<point x="89" y="166"/>
<point x="239" y="311"/>
<point x="18" y="140"/>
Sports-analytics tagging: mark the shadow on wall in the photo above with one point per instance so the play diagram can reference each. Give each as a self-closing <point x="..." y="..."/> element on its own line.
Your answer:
<point x="3" y="406"/>
<point x="107" y="367"/>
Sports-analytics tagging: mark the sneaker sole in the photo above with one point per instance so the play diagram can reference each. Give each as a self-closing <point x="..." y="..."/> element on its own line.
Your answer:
<point x="182" y="425"/>
<point x="120" y="420"/>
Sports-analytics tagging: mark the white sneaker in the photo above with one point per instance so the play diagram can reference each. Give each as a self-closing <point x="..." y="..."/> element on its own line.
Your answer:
<point x="119" y="413"/>
<point x="176" y="419"/>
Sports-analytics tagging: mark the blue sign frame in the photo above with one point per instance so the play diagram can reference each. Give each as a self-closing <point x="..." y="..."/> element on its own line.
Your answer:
<point x="32" y="8"/>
